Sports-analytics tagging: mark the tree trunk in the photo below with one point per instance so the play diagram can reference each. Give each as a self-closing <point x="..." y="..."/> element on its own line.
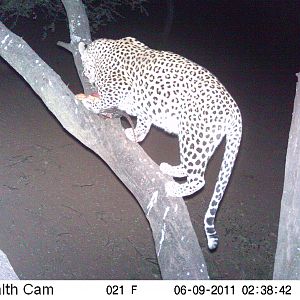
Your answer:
<point x="287" y="258"/>
<point x="6" y="270"/>
<point x="178" y="252"/>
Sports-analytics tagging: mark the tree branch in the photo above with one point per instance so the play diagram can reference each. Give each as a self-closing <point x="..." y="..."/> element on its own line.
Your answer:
<point x="67" y="46"/>
<point x="79" y="32"/>
<point x="287" y="258"/>
<point x="176" y="244"/>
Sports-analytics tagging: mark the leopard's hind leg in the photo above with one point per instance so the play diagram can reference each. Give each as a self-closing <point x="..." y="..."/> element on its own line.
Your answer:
<point x="196" y="148"/>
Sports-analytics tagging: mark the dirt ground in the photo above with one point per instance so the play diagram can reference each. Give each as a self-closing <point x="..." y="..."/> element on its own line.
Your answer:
<point x="63" y="213"/>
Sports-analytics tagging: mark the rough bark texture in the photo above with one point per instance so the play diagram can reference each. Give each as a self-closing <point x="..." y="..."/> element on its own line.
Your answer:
<point x="287" y="258"/>
<point x="177" y="247"/>
<point x="79" y="32"/>
<point x="6" y="270"/>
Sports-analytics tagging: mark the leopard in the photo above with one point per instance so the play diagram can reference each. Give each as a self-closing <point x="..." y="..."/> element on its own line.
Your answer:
<point x="171" y="92"/>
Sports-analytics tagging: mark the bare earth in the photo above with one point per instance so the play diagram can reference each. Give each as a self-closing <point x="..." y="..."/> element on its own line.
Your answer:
<point x="63" y="213"/>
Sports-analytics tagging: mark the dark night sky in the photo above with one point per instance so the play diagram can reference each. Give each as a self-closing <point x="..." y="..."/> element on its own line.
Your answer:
<point x="265" y="30"/>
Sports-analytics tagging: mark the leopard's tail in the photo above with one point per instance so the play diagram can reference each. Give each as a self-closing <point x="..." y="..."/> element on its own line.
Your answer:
<point x="233" y="139"/>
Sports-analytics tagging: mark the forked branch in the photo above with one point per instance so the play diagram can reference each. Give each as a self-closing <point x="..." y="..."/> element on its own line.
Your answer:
<point x="176" y="244"/>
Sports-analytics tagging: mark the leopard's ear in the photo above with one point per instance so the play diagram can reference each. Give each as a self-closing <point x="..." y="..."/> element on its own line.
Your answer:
<point x="82" y="47"/>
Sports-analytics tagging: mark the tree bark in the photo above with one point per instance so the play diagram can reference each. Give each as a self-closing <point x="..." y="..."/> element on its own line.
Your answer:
<point x="178" y="252"/>
<point x="79" y="32"/>
<point x="6" y="270"/>
<point x="287" y="258"/>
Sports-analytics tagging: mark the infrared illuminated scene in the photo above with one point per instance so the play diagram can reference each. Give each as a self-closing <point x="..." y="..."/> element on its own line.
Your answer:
<point x="145" y="139"/>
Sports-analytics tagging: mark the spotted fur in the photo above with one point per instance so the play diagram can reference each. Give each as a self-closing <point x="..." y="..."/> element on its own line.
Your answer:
<point x="175" y="94"/>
